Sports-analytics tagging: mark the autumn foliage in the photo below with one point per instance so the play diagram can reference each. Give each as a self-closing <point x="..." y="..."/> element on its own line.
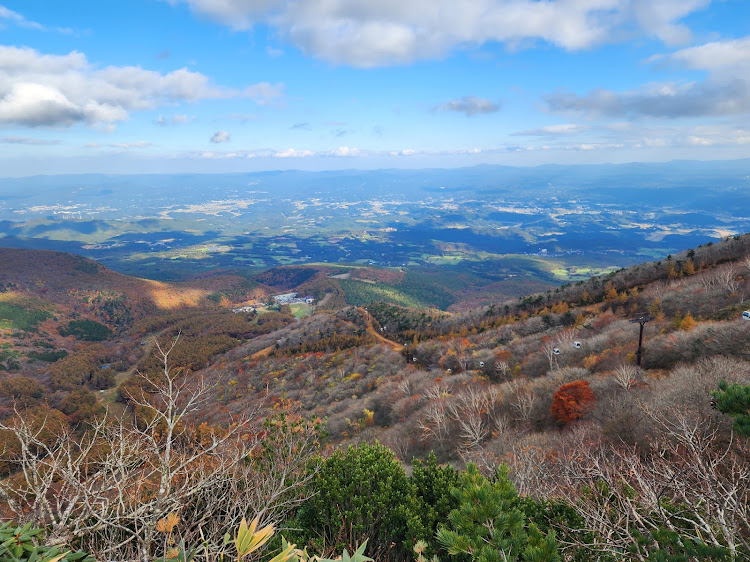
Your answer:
<point x="572" y="400"/>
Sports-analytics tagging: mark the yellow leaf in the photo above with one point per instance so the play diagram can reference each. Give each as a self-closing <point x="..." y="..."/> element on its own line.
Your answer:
<point x="248" y="539"/>
<point x="168" y="523"/>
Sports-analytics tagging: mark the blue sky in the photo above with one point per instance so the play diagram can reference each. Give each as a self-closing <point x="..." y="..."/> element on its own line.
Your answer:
<point x="240" y="85"/>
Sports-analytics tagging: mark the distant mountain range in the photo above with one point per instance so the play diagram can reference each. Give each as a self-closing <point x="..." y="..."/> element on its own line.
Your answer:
<point x="545" y="225"/>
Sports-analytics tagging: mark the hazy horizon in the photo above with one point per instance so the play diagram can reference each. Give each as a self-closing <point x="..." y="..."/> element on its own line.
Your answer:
<point x="186" y="86"/>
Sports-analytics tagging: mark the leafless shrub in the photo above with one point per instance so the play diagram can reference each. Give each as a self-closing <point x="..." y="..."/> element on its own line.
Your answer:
<point x="108" y="488"/>
<point x="689" y="465"/>
<point x="522" y="402"/>
<point x="469" y="412"/>
<point x="436" y="391"/>
<point x="727" y="278"/>
<point x="434" y="424"/>
<point x="404" y="386"/>
<point x="566" y="337"/>
<point x="502" y="368"/>
<point x="657" y="290"/>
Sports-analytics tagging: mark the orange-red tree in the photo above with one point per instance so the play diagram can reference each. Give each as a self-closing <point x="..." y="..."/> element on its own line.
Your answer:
<point x="572" y="400"/>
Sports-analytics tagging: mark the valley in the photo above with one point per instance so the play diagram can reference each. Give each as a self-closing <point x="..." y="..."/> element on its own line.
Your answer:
<point x="495" y="228"/>
<point x="450" y="347"/>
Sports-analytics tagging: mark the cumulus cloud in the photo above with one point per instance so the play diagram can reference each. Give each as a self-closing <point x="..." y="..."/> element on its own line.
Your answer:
<point x="469" y="105"/>
<point x="368" y="33"/>
<point x="661" y="18"/>
<point x="345" y="151"/>
<point x="35" y="104"/>
<point x="220" y="136"/>
<point x="715" y="56"/>
<point x="293" y="153"/>
<point x="28" y="140"/>
<point x="62" y="90"/>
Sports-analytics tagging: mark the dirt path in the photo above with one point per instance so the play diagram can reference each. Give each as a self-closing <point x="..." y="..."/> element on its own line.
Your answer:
<point x="109" y="396"/>
<point x="265" y="352"/>
<point x="378" y="336"/>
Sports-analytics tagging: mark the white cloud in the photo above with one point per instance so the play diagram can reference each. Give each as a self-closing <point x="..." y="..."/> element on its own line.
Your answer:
<point x="28" y="140"/>
<point x="129" y="145"/>
<point x="553" y="130"/>
<point x="345" y="151"/>
<point x="179" y="119"/>
<point x="220" y="136"/>
<point x="368" y="33"/>
<point x="264" y="93"/>
<point x="469" y="105"/>
<point x="61" y="90"/>
<point x="18" y="19"/>
<point x="35" y="104"/>
<point x="659" y="18"/>
<point x="340" y="152"/>
<point x="293" y="153"/>
<point x="726" y="90"/>
<point x="716" y="56"/>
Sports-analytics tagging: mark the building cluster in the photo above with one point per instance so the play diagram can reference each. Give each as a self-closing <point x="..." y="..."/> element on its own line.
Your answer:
<point x="292" y="298"/>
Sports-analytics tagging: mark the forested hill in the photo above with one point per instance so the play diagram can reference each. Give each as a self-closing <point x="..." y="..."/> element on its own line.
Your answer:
<point x="547" y="385"/>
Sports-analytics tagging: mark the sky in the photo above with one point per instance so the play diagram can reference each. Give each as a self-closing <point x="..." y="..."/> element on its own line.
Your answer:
<point x="147" y="86"/>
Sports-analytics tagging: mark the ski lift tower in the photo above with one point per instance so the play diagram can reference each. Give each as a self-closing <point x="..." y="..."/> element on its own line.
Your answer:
<point x="641" y="319"/>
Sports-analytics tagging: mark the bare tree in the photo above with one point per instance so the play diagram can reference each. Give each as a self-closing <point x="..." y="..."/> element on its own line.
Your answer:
<point x="708" y="280"/>
<point x="404" y="386"/>
<point x="527" y="462"/>
<point x="657" y="290"/>
<point x="435" y="422"/>
<point x="460" y="347"/>
<point x="566" y="337"/>
<point x="692" y="483"/>
<point x="436" y="392"/>
<point x="626" y="375"/>
<point x="522" y="402"/>
<point x="502" y="368"/>
<point x="470" y="411"/>
<point x="110" y="487"/>
<point x="727" y="277"/>
<point x="549" y="350"/>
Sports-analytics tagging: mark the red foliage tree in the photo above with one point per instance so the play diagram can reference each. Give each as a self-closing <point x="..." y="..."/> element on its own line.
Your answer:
<point x="572" y="400"/>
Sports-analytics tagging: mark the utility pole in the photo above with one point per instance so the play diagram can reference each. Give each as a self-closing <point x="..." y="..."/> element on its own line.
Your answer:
<point x="641" y="319"/>
<point x="409" y="355"/>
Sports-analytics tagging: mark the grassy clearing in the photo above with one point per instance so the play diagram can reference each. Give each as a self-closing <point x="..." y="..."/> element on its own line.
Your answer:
<point x="580" y="273"/>
<point x="301" y="310"/>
